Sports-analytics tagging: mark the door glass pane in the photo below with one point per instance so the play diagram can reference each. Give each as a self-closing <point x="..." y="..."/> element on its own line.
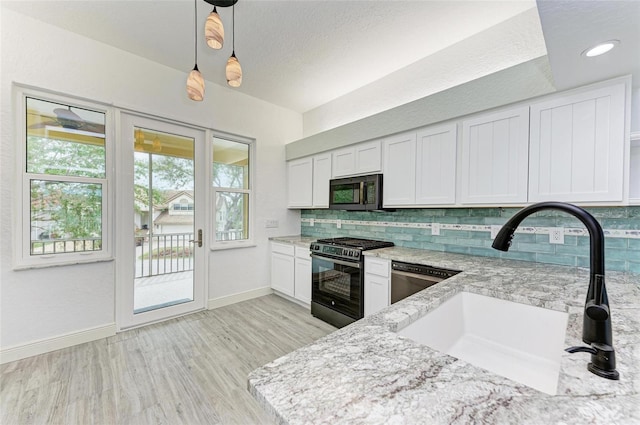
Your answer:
<point x="65" y="217"/>
<point x="164" y="210"/>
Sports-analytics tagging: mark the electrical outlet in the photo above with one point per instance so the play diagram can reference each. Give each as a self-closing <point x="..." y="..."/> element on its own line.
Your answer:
<point x="271" y="224"/>
<point x="435" y="229"/>
<point x="556" y="235"/>
<point x="495" y="228"/>
<point x="339" y="224"/>
<point x="312" y="222"/>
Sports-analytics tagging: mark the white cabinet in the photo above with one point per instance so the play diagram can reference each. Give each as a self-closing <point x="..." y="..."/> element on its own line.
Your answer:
<point x="634" y="170"/>
<point x="363" y="158"/>
<point x="282" y="268"/>
<point x="321" y="178"/>
<point x="302" y="285"/>
<point x="577" y="147"/>
<point x="420" y="167"/>
<point x="308" y="181"/>
<point x="300" y="182"/>
<point x="436" y="165"/>
<point x="400" y="170"/>
<point x="495" y="153"/>
<point x="377" y="284"/>
<point x="291" y="271"/>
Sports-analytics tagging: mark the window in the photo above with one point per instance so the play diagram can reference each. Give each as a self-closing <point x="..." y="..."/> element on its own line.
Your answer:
<point x="65" y="182"/>
<point x="232" y="196"/>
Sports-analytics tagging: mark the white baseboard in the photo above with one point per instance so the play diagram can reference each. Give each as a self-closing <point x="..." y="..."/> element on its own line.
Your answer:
<point x="56" y="343"/>
<point x="236" y="298"/>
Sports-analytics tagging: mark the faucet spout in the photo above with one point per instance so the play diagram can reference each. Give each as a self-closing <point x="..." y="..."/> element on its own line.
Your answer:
<point x="596" y="326"/>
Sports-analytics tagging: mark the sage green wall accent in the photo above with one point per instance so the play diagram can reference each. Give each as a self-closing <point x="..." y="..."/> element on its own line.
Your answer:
<point x="467" y="231"/>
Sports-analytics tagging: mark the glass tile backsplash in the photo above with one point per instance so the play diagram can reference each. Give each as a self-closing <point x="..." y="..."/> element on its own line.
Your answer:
<point x="468" y="231"/>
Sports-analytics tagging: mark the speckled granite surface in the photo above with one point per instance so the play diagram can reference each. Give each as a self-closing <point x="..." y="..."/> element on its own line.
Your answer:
<point x="367" y="374"/>
<point x="302" y="241"/>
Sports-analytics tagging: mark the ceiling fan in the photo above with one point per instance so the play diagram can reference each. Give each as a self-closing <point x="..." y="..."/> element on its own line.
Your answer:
<point x="68" y="119"/>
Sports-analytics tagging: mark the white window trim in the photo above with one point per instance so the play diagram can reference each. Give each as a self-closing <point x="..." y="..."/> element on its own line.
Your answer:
<point x="22" y="208"/>
<point x="250" y="241"/>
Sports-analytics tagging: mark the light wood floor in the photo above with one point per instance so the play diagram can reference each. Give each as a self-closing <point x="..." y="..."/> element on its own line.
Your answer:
<point x="191" y="370"/>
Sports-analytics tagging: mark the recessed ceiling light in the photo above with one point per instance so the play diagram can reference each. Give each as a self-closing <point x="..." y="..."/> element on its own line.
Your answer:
<point x="600" y="48"/>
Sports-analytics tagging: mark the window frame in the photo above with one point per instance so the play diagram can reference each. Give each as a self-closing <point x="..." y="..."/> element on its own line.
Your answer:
<point x="250" y="241"/>
<point x="23" y="259"/>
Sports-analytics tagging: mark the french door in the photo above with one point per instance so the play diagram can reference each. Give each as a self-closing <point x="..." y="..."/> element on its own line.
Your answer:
<point x="161" y="201"/>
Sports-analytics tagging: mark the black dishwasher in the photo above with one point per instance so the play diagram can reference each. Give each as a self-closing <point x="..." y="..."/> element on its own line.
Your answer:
<point x="407" y="278"/>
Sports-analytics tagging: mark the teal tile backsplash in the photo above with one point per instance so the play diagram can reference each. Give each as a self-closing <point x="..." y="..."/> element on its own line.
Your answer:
<point x="468" y="231"/>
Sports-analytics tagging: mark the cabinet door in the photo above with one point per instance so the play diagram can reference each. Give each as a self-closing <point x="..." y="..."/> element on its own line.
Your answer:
<point x="282" y="273"/>
<point x="321" y="177"/>
<point x="343" y="162"/>
<point x="300" y="182"/>
<point x="399" y="170"/>
<point x="303" y="280"/>
<point x="376" y="293"/>
<point x="368" y="157"/>
<point x="495" y="151"/>
<point x="577" y="147"/>
<point x="436" y="165"/>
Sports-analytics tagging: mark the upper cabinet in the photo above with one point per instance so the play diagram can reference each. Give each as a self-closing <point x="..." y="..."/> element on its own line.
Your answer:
<point x="321" y="178"/>
<point x="495" y="153"/>
<point x="568" y="147"/>
<point x="577" y="148"/>
<point x="363" y="158"/>
<point x="300" y="182"/>
<point x="308" y="181"/>
<point x="399" y="181"/>
<point x="436" y="169"/>
<point x="420" y="167"/>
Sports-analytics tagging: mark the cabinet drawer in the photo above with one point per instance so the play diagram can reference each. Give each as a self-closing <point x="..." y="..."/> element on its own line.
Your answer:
<point x="282" y="248"/>
<point x="303" y="253"/>
<point x="376" y="266"/>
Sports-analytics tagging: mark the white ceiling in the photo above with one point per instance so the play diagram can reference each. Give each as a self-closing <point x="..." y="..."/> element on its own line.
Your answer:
<point x="301" y="54"/>
<point x="297" y="54"/>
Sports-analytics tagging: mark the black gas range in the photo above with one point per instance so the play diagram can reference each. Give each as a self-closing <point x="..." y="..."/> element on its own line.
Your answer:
<point x="337" y="295"/>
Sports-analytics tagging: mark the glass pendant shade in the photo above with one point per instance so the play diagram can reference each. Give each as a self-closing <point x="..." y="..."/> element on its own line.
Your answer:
<point x="214" y="30"/>
<point x="234" y="71"/>
<point x="195" y="85"/>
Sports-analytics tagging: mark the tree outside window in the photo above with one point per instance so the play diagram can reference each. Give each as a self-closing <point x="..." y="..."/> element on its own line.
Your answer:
<point x="231" y="185"/>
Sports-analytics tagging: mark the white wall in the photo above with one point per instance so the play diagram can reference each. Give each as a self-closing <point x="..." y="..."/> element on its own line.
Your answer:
<point x="42" y="304"/>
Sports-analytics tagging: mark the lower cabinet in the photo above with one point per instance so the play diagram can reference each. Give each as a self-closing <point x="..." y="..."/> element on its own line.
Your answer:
<point x="302" y="284"/>
<point x="377" y="284"/>
<point x="282" y="268"/>
<point x="291" y="271"/>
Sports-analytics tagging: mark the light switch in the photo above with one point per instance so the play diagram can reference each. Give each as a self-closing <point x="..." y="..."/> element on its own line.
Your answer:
<point x="435" y="229"/>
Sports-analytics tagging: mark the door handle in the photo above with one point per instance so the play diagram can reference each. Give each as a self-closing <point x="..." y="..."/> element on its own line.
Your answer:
<point x="199" y="240"/>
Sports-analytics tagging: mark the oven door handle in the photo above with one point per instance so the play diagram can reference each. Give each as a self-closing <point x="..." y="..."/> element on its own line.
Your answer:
<point x="333" y="260"/>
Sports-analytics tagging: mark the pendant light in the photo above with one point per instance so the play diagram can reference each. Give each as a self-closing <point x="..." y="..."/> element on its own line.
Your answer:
<point x="234" y="70"/>
<point x="214" y="30"/>
<point x="195" y="82"/>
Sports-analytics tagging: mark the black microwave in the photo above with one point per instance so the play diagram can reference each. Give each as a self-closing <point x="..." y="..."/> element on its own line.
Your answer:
<point x="360" y="193"/>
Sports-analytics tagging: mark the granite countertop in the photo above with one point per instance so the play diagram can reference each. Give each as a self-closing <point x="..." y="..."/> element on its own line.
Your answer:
<point x="297" y="240"/>
<point x="365" y="373"/>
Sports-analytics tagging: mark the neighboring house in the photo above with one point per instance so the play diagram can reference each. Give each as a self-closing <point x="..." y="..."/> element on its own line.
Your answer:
<point x="176" y="214"/>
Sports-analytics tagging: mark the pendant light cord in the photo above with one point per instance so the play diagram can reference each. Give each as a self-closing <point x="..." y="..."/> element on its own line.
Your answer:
<point x="195" y="29"/>
<point x="233" y="30"/>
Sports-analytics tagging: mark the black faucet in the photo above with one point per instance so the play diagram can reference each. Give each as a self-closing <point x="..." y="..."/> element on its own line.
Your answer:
<point x="596" y="324"/>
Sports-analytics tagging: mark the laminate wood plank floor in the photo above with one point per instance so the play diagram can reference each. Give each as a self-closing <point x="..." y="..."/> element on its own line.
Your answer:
<point x="189" y="370"/>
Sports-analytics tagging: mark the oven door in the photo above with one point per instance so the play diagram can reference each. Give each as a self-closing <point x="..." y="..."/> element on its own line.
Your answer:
<point x="338" y="285"/>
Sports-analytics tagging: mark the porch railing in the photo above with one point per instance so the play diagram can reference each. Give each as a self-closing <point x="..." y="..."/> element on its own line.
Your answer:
<point x="62" y="246"/>
<point x="163" y="254"/>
